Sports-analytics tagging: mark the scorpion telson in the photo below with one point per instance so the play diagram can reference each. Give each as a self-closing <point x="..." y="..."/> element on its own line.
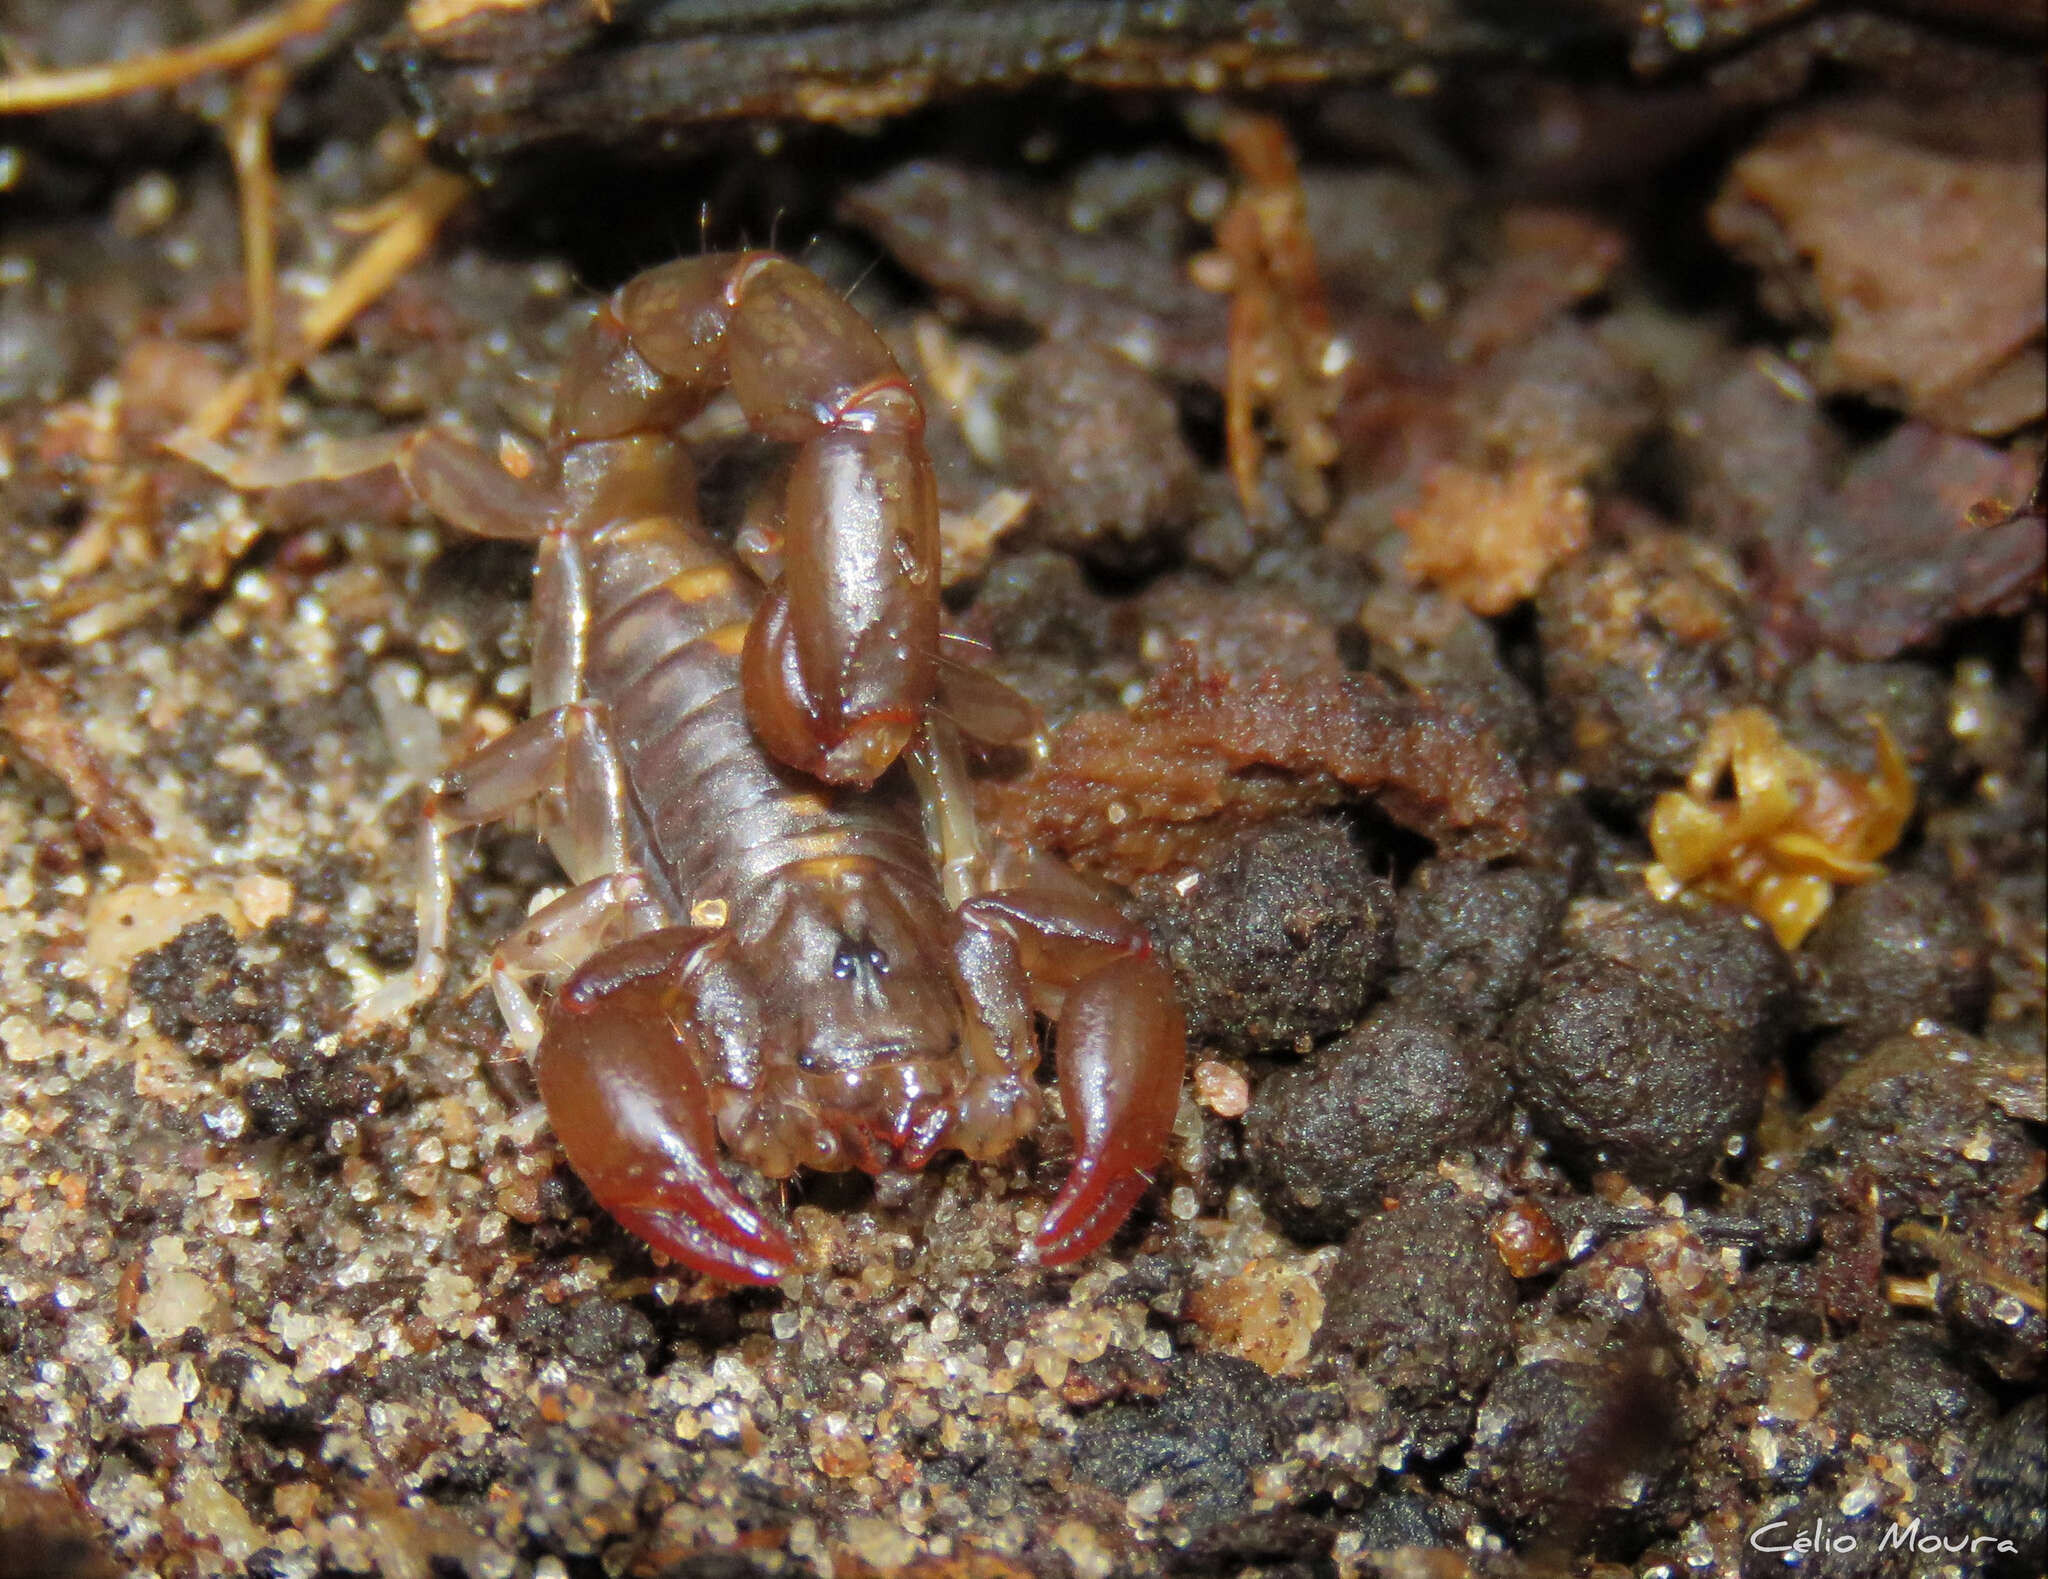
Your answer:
<point x="748" y="955"/>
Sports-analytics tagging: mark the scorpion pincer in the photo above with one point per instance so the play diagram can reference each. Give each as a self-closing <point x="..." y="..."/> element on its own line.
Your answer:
<point x="816" y="976"/>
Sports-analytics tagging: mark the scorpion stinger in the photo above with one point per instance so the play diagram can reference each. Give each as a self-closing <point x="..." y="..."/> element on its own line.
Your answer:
<point x="837" y="687"/>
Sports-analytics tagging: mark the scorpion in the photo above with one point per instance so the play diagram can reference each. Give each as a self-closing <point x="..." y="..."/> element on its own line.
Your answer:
<point x="769" y="940"/>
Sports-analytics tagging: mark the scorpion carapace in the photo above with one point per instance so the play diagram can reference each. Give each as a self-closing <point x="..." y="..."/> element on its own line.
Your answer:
<point x="749" y="957"/>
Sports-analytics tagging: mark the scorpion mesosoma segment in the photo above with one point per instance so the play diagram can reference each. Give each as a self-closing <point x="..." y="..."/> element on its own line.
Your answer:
<point x="809" y="975"/>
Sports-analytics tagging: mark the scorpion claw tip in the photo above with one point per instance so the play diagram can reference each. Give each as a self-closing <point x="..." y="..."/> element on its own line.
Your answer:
<point x="869" y="745"/>
<point x="684" y="1239"/>
<point x="1084" y="1217"/>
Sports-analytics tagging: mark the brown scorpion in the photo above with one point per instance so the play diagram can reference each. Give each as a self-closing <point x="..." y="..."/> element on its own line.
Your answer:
<point x="762" y="945"/>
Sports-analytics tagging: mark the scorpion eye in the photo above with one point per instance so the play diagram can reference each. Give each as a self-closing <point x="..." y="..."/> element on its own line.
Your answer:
<point x="859" y="959"/>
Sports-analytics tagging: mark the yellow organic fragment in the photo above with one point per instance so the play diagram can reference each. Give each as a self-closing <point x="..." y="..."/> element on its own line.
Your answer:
<point x="1790" y="832"/>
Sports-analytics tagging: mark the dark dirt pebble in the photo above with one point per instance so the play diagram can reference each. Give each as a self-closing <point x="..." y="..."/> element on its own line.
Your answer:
<point x="1982" y="1271"/>
<point x="596" y="1332"/>
<point x="1563" y="394"/>
<point x="1721" y="961"/>
<point x="1579" y="1452"/>
<point x="1642" y="648"/>
<point x="218" y="801"/>
<point x="1039" y="604"/>
<point x="1052" y="631"/>
<point x="1098" y="443"/>
<point x="1467" y="935"/>
<point x="1826" y="706"/>
<point x="314" y="1093"/>
<point x="1328" y="1142"/>
<point x="1754" y="450"/>
<point x="1420" y="1304"/>
<point x="1281" y="940"/>
<point x="1619" y="1073"/>
<point x="1920" y="1120"/>
<point x="200" y="993"/>
<point x="1904" y="948"/>
<point x="1217" y="1422"/>
<point x="1273" y="1542"/>
<point x="1410" y="1518"/>
<point x="1894" y="1384"/>
<point x="1280" y="1543"/>
<point x="2010" y="1485"/>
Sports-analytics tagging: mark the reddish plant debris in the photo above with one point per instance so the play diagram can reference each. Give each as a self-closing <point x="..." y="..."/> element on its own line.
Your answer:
<point x="1924" y="258"/>
<point x="1283" y="358"/>
<point x="1891" y="54"/>
<point x="1124" y="794"/>
<point x="1551" y="259"/>
<point x="33" y="717"/>
<point x="1488" y="539"/>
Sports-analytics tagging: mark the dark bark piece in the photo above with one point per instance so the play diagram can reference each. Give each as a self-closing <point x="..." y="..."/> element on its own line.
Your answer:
<point x="1897" y="552"/>
<point x="968" y="237"/>
<point x="494" y="79"/>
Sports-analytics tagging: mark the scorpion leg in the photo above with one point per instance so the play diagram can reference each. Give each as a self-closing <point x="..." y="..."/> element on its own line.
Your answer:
<point x="562" y="755"/>
<point x="621" y="1069"/>
<point x="561" y="935"/>
<point x="466" y="488"/>
<point x="566" y="749"/>
<point x="1120" y="1049"/>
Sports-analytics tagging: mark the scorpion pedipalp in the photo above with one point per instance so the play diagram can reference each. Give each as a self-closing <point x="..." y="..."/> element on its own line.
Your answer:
<point x="623" y="1087"/>
<point x="860" y="570"/>
<point x="1120" y="1048"/>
